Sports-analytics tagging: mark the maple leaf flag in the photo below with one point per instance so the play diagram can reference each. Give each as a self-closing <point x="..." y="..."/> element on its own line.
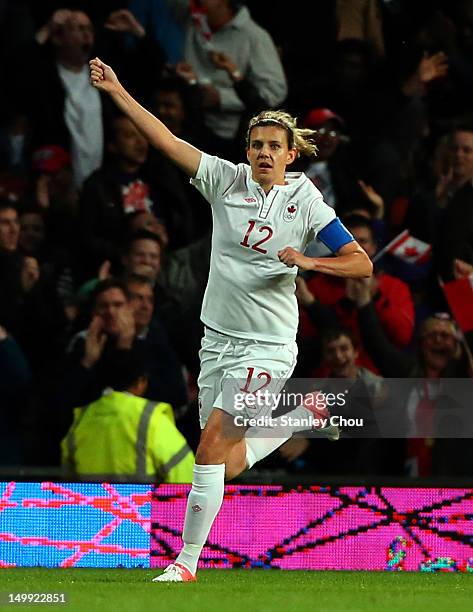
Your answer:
<point x="406" y="247"/>
<point x="459" y="294"/>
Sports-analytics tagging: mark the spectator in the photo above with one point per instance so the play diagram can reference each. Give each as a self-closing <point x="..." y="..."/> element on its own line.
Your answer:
<point x="63" y="107"/>
<point x="364" y="93"/>
<point x="111" y="328"/>
<point x="123" y="435"/>
<point x="9" y="227"/>
<point x="128" y="45"/>
<point x="329" y="177"/>
<point x="121" y="321"/>
<point x="57" y="97"/>
<point x="439" y="350"/>
<point x="345" y="297"/>
<point x="361" y="19"/>
<point x="28" y="309"/>
<point x="165" y="380"/>
<point x="179" y="280"/>
<point x="226" y="26"/>
<point x="15" y="378"/>
<point x="439" y="355"/>
<point x="367" y="455"/>
<point x="32" y="237"/>
<point x="53" y="185"/>
<point x="143" y="255"/>
<point x="127" y="184"/>
<point x="331" y="171"/>
<point x="452" y="95"/>
<point x="57" y="197"/>
<point x="159" y="17"/>
<point x="178" y="103"/>
<point x="14" y="142"/>
<point x="455" y="233"/>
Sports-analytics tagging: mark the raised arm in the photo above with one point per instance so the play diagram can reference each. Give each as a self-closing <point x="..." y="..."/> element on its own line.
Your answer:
<point x="178" y="151"/>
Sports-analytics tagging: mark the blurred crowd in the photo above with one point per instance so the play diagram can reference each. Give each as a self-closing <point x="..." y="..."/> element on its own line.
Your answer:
<point x="104" y="245"/>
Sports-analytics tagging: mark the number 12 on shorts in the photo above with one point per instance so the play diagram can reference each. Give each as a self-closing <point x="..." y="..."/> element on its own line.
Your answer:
<point x="264" y="377"/>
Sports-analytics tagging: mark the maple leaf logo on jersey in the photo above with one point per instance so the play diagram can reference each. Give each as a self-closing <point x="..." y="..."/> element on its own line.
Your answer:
<point x="290" y="212"/>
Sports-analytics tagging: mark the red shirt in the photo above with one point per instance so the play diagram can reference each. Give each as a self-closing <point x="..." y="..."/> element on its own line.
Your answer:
<point x="393" y="303"/>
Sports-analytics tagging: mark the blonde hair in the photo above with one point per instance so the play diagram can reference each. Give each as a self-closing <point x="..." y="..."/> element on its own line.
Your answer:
<point x="297" y="138"/>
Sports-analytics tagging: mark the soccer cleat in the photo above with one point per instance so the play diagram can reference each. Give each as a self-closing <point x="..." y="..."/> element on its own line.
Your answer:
<point x="315" y="403"/>
<point x="175" y="573"/>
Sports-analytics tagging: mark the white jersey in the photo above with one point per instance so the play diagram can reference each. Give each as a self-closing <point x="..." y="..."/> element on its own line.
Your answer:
<point x="250" y="293"/>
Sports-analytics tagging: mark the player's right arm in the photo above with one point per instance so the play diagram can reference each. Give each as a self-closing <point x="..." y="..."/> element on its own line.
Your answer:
<point x="178" y="151"/>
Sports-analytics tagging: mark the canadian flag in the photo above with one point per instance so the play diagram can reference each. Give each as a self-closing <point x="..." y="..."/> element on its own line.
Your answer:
<point x="459" y="294"/>
<point x="409" y="249"/>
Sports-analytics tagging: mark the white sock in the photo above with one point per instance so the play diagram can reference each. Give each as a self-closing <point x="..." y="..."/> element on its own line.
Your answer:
<point x="259" y="444"/>
<point x="203" y="504"/>
<point x="258" y="448"/>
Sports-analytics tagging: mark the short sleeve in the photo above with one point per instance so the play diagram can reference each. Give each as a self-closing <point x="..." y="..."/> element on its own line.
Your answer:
<point x="214" y="176"/>
<point x="321" y="214"/>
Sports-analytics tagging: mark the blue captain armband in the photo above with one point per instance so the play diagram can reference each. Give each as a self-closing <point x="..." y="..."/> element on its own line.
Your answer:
<point x="335" y="235"/>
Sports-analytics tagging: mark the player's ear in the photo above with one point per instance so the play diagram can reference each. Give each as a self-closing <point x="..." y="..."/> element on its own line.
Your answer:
<point x="248" y="154"/>
<point x="291" y="156"/>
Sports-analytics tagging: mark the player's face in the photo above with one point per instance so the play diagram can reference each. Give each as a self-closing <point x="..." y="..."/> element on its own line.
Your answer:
<point x="269" y="155"/>
<point x="340" y="356"/>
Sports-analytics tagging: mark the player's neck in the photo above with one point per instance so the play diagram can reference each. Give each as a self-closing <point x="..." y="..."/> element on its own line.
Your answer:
<point x="266" y="187"/>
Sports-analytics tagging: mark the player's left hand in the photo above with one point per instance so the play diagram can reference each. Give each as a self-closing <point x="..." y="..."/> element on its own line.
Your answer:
<point x="290" y="257"/>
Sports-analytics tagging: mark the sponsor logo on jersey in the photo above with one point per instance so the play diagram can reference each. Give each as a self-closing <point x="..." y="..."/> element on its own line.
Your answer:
<point x="290" y="212"/>
<point x="250" y="200"/>
<point x="196" y="508"/>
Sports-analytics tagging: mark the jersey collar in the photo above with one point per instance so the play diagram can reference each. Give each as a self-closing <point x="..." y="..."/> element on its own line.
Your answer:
<point x="293" y="179"/>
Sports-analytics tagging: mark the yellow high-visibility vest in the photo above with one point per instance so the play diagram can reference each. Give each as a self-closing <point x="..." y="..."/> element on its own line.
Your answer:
<point x="127" y="438"/>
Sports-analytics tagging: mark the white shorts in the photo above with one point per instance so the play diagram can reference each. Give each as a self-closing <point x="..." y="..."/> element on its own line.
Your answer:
<point x="256" y="363"/>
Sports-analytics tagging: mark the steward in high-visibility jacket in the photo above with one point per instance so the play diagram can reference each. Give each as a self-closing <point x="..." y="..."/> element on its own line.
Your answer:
<point x="127" y="438"/>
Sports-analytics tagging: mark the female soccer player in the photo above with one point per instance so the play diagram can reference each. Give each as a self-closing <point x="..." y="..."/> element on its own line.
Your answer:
<point x="263" y="218"/>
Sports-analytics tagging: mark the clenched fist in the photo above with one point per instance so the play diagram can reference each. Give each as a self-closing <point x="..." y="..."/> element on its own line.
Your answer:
<point x="102" y="76"/>
<point x="290" y="257"/>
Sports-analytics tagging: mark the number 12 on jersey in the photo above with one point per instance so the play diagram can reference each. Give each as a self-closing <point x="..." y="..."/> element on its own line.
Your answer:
<point x="257" y="245"/>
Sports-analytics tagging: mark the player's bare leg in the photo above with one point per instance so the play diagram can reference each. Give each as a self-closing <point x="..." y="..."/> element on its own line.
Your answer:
<point x="217" y="442"/>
